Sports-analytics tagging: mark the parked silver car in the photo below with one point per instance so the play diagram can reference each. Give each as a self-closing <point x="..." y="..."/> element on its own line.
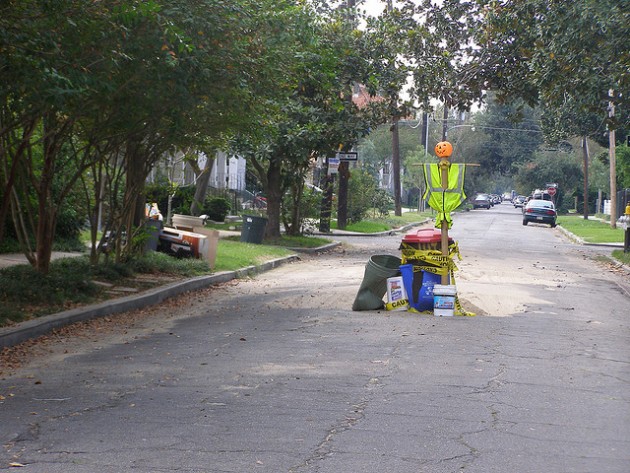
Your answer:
<point x="481" y="201"/>
<point x="519" y="201"/>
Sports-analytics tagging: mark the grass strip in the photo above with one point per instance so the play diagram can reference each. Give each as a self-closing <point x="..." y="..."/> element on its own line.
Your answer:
<point x="621" y="256"/>
<point x="591" y="230"/>
<point x="385" y="223"/>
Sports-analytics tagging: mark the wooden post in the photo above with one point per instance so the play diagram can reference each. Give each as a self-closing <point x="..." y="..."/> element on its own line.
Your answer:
<point x="444" y="227"/>
<point x="613" y="164"/>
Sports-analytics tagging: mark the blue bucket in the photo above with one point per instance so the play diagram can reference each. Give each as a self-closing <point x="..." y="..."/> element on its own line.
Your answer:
<point x="419" y="287"/>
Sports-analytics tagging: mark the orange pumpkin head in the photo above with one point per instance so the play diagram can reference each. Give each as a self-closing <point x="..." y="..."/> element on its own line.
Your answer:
<point x="443" y="149"/>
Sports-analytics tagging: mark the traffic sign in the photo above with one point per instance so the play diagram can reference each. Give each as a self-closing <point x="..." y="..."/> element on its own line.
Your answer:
<point x="333" y="165"/>
<point x="348" y="156"/>
<point x="551" y="191"/>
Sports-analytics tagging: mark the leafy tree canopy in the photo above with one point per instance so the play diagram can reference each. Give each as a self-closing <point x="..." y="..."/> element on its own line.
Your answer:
<point x="557" y="51"/>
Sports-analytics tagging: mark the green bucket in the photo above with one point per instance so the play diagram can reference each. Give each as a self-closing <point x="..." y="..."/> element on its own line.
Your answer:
<point x="374" y="284"/>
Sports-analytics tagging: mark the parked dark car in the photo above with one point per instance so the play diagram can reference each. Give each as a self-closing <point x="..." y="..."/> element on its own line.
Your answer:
<point x="540" y="211"/>
<point x="481" y="201"/>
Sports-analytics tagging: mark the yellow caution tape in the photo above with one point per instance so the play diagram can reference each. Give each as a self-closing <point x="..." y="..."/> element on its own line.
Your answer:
<point x="397" y="304"/>
<point x="433" y="261"/>
<point x="459" y="310"/>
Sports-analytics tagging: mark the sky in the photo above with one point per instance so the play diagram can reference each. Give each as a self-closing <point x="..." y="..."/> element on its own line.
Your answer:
<point x="374" y="7"/>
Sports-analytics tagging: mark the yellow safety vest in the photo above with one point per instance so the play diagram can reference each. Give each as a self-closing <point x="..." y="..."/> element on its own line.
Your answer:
<point x="444" y="201"/>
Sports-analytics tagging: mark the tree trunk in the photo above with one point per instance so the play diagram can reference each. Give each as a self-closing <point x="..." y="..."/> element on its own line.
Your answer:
<point x="327" y="184"/>
<point x="10" y="173"/>
<point x="21" y="229"/>
<point x="342" y="196"/>
<point x="295" y="227"/>
<point x="274" y="198"/>
<point x="201" y="187"/>
<point x="133" y="201"/>
<point x="45" y="237"/>
<point x="94" y="193"/>
<point x="47" y="214"/>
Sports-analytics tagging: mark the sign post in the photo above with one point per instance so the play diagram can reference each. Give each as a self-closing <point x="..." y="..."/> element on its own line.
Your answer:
<point x="552" y="189"/>
<point x="333" y="165"/>
<point x="348" y="156"/>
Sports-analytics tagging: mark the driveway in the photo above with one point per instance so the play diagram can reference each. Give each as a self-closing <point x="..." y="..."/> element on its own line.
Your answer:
<point x="277" y="374"/>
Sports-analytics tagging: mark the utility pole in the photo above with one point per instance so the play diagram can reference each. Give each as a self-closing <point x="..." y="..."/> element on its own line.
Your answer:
<point x="424" y="139"/>
<point x="613" y="162"/>
<point x="396" y="166"/>
<point x="585" y="152"/>
<point x="425" y="143"/>
<point x="445" y="121"/>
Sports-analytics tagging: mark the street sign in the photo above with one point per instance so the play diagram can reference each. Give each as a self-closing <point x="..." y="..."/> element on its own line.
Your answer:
<point x="551" y="191"/>
<point x="348" y="156"/>
<point x="333" y="165"/>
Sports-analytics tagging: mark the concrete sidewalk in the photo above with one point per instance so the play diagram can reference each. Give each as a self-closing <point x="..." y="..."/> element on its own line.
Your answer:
<point x="14" y="259"/>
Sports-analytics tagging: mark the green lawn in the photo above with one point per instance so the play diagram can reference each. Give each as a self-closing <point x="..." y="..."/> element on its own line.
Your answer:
<point x="591" y="230"/>
<point x="233" y="255"/>
<point x="596" y="231"/>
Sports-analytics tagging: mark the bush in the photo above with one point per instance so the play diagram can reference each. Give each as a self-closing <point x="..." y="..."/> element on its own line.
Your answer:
<point x="216" y="208"/>
<point x="308" y="210"/>
<point x="155" y="262"/>
<point x="69" y="223"/>
<point x="383" y="201"/>
<point x="363" y="195"/>
<point x="182" y="199"/>
<point x="67" y="280"/>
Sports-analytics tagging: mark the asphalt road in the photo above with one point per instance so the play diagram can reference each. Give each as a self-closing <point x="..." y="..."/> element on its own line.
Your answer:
<point x="277" y="374"/>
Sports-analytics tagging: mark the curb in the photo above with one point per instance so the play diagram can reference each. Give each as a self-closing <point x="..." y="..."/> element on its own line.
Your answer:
<point x="580" y="241"/>
<point x="319" y="249"/>
<point x="10" y="336"/>
<point x="576" y="239"/>
<point x="343" y="233"/>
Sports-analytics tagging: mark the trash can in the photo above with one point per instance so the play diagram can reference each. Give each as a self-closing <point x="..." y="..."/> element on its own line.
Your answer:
<point x="374" y="284"/>
<point x="153" y="228"/>
<point x="419" y="273"/>
<point x="253" y="230"/>
<point x="424" y="239"/>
